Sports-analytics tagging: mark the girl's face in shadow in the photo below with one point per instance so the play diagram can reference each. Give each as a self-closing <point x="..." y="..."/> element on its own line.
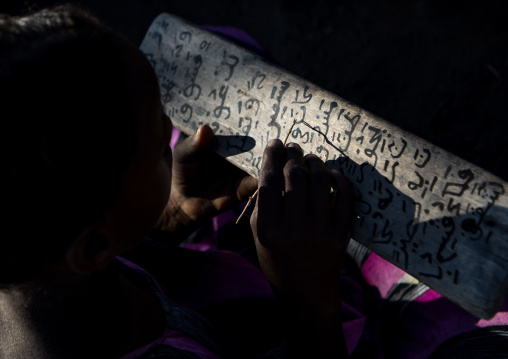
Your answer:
<point x="146" y="183"/>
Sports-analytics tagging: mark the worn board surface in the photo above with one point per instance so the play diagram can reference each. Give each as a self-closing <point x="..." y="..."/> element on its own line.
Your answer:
<point x="434" y="215"/>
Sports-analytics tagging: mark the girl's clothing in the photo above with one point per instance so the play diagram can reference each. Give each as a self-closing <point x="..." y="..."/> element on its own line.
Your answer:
<point x="219" y="285"/>
<point x="175" y="341"/>
<point x="387" y="314"/>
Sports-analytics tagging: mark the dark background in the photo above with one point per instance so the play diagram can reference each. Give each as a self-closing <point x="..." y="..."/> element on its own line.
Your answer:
<point x="438" y="69"/>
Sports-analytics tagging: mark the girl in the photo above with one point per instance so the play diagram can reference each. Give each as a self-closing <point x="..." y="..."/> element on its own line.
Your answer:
<point x="88" y="173"/>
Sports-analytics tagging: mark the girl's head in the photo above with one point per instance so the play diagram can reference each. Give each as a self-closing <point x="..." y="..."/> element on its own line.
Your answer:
<point x="85" y="165"/>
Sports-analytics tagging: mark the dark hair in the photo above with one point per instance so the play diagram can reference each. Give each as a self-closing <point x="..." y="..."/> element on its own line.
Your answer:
<point x="67" y="131"/>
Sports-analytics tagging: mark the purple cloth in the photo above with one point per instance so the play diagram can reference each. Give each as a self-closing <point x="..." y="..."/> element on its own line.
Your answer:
<point x="237" y="34"/>
<point x="424" y="322"/>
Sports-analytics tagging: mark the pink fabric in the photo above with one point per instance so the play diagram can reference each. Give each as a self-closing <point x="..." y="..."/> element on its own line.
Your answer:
<point x="428" y="296"/>
<point x="382" y="276"/>
<point x="175" y="135"/>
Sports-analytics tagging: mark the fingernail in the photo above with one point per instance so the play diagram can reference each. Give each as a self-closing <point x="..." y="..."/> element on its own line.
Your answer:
<point x="311" y="155"/>
<point x="274" y="142"/>
<point x="295" y="145"/>
<point x="196" y="135"/>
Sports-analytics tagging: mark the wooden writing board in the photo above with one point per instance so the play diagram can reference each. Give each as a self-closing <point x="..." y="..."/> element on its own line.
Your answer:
<point x="434" y="215"/>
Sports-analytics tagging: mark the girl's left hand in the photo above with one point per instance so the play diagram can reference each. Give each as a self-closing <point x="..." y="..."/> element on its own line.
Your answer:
<point x="203" y="185"/>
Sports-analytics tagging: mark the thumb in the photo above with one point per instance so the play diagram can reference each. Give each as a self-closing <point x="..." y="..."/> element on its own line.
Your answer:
<point x="203" y="137"/>
<point x="193" y="147"/>
<point x="247" y="187"/>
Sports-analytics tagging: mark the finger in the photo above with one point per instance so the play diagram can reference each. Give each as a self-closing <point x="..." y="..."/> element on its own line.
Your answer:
<point x="196" y="146"/>
<point x="246" y="188"/>
<point x="270" y="186"/>
<point x="342" y="213"/>
<point x="319" y="189"/>
<point x="295" y="176"/>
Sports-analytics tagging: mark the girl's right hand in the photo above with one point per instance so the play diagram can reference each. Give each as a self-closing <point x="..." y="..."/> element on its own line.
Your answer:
<point x="301" y="225"/>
